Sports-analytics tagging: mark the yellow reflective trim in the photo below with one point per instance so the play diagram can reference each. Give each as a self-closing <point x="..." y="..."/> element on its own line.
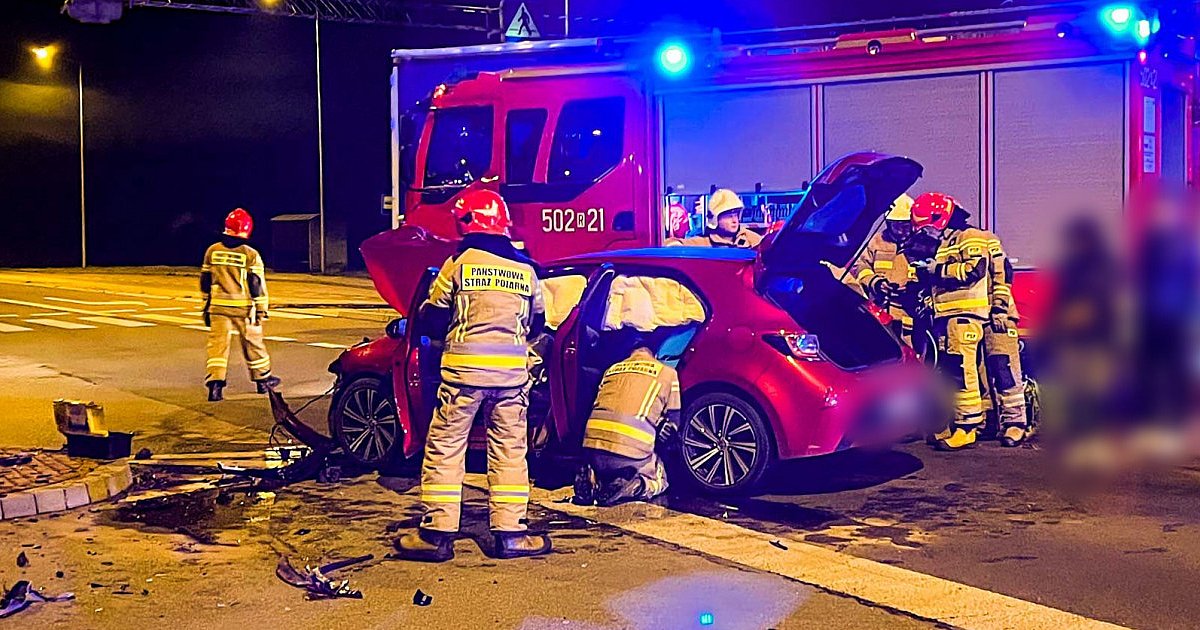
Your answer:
<point x="217" y="362"/>
<point x="484" y="360"/>
<point x="508" y="499"/>
<point x="940" y="307"/>
<point x="229" y="302"/>
<point x="497" y="278"/>
<point x="623" y="429"/>
<point x="862" y="275"/>
<point x="884" y="264"/>
<point x="509" y="488"/>
<point x="442" y="487"/>
<point x="441" y="498"/>
<point x="648" y="401"/>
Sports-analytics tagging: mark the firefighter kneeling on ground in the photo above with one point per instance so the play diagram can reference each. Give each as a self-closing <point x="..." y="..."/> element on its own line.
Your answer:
<point x="488" y="297"/>
<point x="724" y="222"/>
<point x="882" y="269"/>
<point x="636" y="411"/>
<point x="234" y="285"/>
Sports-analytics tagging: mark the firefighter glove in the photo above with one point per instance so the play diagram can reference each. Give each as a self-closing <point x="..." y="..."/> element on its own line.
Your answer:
<point x="999" y="321"/>
<point x="259" y="316"/>
<point x="884" y="289"/>
<point x="667" y="433"/>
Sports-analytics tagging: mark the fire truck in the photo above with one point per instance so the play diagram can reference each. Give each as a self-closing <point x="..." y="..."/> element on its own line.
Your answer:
<point x="1025" y="116"/>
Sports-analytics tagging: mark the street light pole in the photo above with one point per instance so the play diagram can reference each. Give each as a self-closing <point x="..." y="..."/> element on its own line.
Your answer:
<point x="82" y="185"/>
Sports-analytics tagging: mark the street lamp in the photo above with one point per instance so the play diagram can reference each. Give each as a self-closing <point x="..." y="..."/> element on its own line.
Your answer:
<point x="44" y="57"/>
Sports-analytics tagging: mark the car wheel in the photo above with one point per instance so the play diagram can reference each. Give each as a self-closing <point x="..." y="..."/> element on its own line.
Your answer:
<point x="725" y="444"/>
<point x="363" y="421"/>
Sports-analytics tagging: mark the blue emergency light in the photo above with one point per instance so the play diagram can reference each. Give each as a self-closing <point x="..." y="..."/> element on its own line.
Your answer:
<point x="707" y="619"/>
<point x="673" y="58"/>
<point x="1117" y="17"/>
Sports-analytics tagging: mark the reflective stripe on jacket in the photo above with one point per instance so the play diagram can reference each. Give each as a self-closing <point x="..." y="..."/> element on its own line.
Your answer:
<point x="964" y="274"/>
<point x="492" y="302"/>
<point x="634" y="397"/>
<point x="881" y="258"/>
<point x="239" y="281"/>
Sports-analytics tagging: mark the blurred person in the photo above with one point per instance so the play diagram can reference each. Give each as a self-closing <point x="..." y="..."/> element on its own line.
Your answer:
<point x="958" y="275"/>
<point x="882" y="269"/>
<point x="723" y="219"/>
<point x="234" y="284"/>
<point x="636" y="412"/>
<point x="489" y="296"/>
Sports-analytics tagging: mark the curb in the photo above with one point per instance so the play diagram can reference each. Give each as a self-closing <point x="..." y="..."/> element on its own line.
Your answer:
<point x="106" y="481"/>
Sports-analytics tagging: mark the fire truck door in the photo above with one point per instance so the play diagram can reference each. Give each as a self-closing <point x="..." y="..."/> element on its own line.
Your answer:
<point x="575" y="170"/>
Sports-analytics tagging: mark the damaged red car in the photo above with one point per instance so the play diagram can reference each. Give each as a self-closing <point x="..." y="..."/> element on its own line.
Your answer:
<point x="777" y="358"/>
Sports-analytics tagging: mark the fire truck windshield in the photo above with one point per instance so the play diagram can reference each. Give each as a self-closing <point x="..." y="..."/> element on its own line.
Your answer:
<point x="460" y="147"/>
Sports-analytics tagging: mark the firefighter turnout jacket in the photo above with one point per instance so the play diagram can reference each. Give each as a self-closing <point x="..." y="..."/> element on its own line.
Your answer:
<point x="493" y="301"/>
<point x="634" y="399"/>
<point x="880" y="260"/>
<point x="744" y="239"/>
<point x="233" y="279"/>
<point x="963" y="274"/>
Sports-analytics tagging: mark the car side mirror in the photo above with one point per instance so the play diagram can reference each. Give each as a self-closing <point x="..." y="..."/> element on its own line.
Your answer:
<point x="397" y="328"/>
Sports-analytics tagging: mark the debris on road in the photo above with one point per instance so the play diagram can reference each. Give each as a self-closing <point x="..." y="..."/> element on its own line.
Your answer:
<point x="22" y="560"/>
<point x="776" y="543"/>
<point x="422" y="599"/>
<point x="21" y="595"/>
<point x="16" y="459"/>
<point x="316" y="582"/>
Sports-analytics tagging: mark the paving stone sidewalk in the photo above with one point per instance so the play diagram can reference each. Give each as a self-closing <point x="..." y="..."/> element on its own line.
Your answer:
<point x="41" y="482"/>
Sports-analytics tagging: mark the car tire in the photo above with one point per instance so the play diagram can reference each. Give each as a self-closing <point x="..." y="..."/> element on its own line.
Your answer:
<point x="363" y="421"/>
<point x="724" y="444"/>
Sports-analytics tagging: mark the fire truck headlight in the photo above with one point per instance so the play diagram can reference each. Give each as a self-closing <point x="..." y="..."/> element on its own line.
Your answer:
<point x="673" y="58"/>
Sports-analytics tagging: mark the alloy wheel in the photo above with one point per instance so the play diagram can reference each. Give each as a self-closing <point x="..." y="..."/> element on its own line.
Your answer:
<point x="369" y="424"/>
<point x="720" y="446"/>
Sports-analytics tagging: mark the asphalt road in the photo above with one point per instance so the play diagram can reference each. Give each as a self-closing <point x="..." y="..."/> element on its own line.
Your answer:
<point x="983" y="522"/>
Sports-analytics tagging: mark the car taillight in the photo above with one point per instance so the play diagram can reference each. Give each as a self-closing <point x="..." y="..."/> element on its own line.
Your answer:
<point x="804" y="347"/>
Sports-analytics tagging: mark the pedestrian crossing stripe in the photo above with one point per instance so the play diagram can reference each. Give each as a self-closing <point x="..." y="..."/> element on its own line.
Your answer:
<point x="279" y="338"/>
<point x="170" y="319"/>
<point x="124" y="323"/>
<point x="332" y="346"/>
<point x="291" y="315"/>
<point x="58" y="323"/>
<point x="11" y="328"/>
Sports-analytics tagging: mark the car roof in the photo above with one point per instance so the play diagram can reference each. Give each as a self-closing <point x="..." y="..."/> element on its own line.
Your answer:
<point x="666" y="254"/>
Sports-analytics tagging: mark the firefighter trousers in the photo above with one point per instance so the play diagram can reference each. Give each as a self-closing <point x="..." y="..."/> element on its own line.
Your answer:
<point x="960" y="339"/>
<point x="1006" y="383"/>
<point x="446" y="450"/>
<point x="254" y="350"/>
<point x="621" y="478"/>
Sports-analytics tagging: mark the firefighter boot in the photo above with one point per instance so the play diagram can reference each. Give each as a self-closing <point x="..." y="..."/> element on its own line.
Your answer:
<point x="960" y="437"/>
<point x="425" y="545"/>
<point x="1013" y="436"/>
<point x="933" y="438"/>
<point x="511" y="545"/>
<point x="216" y="391"/>
<point x="585" y="486"/>
<point x="267" y="384"/>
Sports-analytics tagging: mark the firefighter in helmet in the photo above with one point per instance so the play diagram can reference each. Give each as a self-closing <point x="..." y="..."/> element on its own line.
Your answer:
<point x="724" y="222"/>
<point x="959" y="275"/>
<point x="488" y="298"/>
<point x="882" y="269"/>
<point x="636" y="410"/>
<point x="234" y="285"/>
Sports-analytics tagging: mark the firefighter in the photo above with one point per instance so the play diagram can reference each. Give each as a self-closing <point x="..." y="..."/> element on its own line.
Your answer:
<point x="959" y="278"/>
<point x="489" y="297"/>
<point x="724" y="222"/>
<point x="882" y="270"/>
<point x="235" y="303"/>
<point x="636" y="409"/>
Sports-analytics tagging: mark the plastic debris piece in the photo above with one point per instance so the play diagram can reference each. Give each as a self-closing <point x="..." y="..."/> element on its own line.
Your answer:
<point x="21" y="595"/>
<point x="59" y="574"/>
<point x="314" y="581"/>
<point x="776" y="543"/>
<point x="302" y="531"/>
<point x="22" y="560"/>
<point x="422" y="599"/>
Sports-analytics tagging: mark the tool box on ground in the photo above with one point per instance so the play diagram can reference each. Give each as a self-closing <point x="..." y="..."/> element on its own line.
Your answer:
<point x="83" y="425"/>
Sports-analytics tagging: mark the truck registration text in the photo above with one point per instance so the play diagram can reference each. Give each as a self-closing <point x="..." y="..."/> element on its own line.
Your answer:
<point x="571" y="220"/>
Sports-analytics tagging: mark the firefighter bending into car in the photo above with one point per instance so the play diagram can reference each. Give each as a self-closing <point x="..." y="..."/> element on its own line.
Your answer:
<point x="724" y="222"/>
<point x="958" y="274"/>
<point x="489" y="297"/>
<point x="235" y="303"/>
<point x="636" y="410"/>
<point x="882" y="270"/>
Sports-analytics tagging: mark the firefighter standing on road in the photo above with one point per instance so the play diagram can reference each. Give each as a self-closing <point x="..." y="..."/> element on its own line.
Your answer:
<point x="724" y="222"/>
<point x="1001" y="346"/>
<point x="489" y="293"/>
<point x="959" y="275"/>
<point x="636" y="409"/>
<point x="235" y="291"/>
<point x="882" y="270"/>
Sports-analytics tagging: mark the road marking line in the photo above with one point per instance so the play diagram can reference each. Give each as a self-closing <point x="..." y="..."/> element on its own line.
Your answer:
<point x="279" y="338"/>
<point x="332" y="346"/>
<point x="9" y="315"/>
<point x="55" y="323"/>
<point x="170" y="319"/>
<point x="290" y="315"/>
<point x="197" y="327"/>
<point x="119" y="310"/>
<point x="54" y="314"/>
<point x="165" y="308"/>
<point x="124" y="323"/>
<point x="925" y="596"/>
<point x="7" y="328"/>
<point x="88" y="303"/>
<point x="48" y="307"/>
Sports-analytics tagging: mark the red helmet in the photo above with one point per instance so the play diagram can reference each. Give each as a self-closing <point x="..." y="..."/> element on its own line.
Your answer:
<point x="932" y="209"/>
<point x="238" y="223"/>
<point x="482" y="212"/>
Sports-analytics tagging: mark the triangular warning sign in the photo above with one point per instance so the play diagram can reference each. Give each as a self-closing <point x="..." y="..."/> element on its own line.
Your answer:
<point x="522" y="25"/>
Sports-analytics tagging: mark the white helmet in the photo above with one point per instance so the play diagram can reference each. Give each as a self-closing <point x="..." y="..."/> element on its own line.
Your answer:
<point x="901" y="208"/>
<point x="720" y="202"/>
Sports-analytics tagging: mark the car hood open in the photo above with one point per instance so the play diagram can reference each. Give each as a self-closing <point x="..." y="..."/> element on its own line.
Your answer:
<point x="839" y="211"/>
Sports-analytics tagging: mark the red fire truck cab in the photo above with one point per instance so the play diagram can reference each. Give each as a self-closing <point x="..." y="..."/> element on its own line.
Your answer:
<point x="1025" y="118"/>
